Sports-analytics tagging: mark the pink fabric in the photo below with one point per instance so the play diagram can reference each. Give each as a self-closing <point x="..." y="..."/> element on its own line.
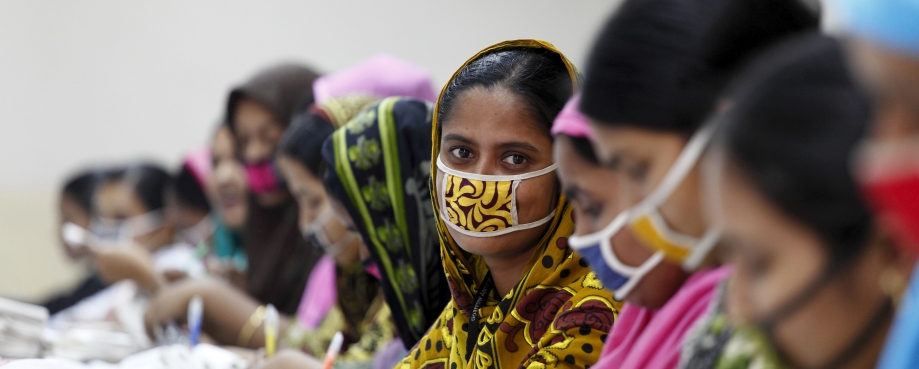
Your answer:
<point x="198" y="161"/>
<point x="649" y="339"/>
<point x="374" y="271"/>
<point x="571" y="122"/>
<point x="319" y="295"/>
<point x="262" y="177"/>
<point x="382" y="75"/>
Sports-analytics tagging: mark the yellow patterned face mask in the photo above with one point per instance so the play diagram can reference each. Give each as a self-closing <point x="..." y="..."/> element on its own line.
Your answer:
<point x="481" y="205"/>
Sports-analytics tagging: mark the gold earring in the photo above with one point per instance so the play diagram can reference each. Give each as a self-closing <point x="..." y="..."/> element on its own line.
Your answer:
<point x="892" y="283"/>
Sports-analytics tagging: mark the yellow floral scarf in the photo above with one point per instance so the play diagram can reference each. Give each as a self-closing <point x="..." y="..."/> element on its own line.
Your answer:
<point x="557" y="316"/>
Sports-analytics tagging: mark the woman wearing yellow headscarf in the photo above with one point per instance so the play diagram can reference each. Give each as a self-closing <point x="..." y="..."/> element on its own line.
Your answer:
<point x="520" y="297"/>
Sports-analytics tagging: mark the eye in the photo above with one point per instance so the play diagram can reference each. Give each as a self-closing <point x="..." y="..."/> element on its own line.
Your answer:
<point x="515" y="159"/>
<point x="314" y="202"/>
<point x="461" y="152"/>
<point x="638" y="172"/>
<point x="593" y="210"/>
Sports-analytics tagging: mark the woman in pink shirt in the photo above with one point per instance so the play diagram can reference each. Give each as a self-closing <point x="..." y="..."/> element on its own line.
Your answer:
<point x="655" y="75"/>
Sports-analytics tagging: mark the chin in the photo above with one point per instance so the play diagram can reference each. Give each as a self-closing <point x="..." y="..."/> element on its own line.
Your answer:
<point x="658" y="287"/>
<point x="504" y="245"/>
<point x="234" y="221"/>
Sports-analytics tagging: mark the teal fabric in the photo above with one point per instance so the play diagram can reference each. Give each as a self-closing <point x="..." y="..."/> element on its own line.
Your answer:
<point x="227" y="247"/>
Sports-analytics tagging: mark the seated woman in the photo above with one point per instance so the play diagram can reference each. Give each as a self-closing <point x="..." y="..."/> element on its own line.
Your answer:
<point x="75" y="209"/>
<point x="257" y="113"/>
<point x="653" y="78"/>
<point x="188" y="204"/>
<point x="232" y="318"/>
<point x="884" y="48"/>
<point x="812" y="285"/>
<point x="130" y="214"/>
<point x="520" y="296"/>
<point x="409" y="266"/>
<point x="228" y="193"/>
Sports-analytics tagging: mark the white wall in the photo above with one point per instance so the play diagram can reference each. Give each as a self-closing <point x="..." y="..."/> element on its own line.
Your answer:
<point x="108" y="80"/>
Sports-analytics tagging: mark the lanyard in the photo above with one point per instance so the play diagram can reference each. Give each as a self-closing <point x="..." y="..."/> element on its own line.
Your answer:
<point x="474" y="327"/>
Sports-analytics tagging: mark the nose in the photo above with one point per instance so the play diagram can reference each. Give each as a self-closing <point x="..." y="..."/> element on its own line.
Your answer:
<point x="487" y="165"/>
<point x="257" y="151"/>
<point x="222" y="173"/>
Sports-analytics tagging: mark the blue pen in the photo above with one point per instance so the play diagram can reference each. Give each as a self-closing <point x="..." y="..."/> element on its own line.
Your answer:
<point x="195" y="310"/>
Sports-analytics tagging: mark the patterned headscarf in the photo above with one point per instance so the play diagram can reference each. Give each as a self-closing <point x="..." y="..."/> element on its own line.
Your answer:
<point x="378" y="168"/>
<point x="558" y="314"/>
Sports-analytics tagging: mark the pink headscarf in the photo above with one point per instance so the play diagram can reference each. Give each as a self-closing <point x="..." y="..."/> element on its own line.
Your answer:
<point x="571" y="122"/>
<point x="198" y="161"/>
<point x="382" y="75"/>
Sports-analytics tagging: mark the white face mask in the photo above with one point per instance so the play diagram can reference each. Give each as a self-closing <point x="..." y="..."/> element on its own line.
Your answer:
<point x="116" y="231"/>
<point x="74" y="236"/>
<point x="646" y="223"/>
<point x="481" y="205"/>
<point x="199" y="232"/>
<point x="315" y="234"/>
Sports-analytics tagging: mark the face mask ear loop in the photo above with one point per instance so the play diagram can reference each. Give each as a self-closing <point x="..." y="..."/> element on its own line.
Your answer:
<point x="443" y="197"/>
<point x="682" y="166"/>
<point x="606" y="249"/>
<point x="702" y="249"/>
<point x="514" y="219"/>
<point x="645" y="268"/>
<point x="339" y="247"/>
<point x="610" y="230"/>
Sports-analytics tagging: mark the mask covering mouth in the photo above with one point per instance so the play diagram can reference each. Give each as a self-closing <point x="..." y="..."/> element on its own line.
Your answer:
<point x="649" y="227"/>
<point x="199" y="232"/>
<point x="315" y="235"/>
<point x="480" y="205"/>
<point x="74" y="236"/>
<point x="262" y="177"/>
<point x="888" y="174"/>
<point x="112" y="231"/>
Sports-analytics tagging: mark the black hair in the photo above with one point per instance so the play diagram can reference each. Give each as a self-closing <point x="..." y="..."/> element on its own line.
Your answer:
<point x="188" y="191"/>
<point x="584" y="148"/>
<point x="661" y="64"/>
<point x="149" y="182"/>
<point x="797" y="117"/>
<point x="302" y="141"/>
<point x="539" y="76"/>
<point x="81" y="187"/>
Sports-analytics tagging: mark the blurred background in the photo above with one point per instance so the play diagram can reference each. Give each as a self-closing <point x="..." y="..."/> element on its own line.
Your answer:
<point x="106" y="81"/>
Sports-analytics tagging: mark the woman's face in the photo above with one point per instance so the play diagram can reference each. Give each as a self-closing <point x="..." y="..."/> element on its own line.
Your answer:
<point x="116" y="203"/>
<point x="640" y="159"/>
<point x="70" y="211"/>
<point x="776" y="258"/>
<point x="228" y="187"/>
<point x="490" y="132"/>
<point x="308" y="191"/>
<point x="257" y="136"/>
<point x="892" y="79"/>
<point x="593" y="191"/>
<point x="257" y="131"/>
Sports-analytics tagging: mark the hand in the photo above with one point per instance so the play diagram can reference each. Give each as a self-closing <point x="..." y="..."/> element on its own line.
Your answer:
<point x="127" y="262"/>
<point x="288" y="359"/>
<point x="171" y="303"/>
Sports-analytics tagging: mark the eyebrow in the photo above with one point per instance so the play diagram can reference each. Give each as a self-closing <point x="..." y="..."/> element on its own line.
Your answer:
<point x="519" y="145"/>
<point x="572" y="192"/>
<point x="613" y="162"/>
<point x="460" y="138"/>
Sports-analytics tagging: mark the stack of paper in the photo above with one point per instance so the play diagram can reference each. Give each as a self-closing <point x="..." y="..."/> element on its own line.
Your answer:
<point x="21" y="329"/>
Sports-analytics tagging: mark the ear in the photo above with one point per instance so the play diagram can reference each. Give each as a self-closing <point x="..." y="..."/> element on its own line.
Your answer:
<point x="901" y="259"/>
